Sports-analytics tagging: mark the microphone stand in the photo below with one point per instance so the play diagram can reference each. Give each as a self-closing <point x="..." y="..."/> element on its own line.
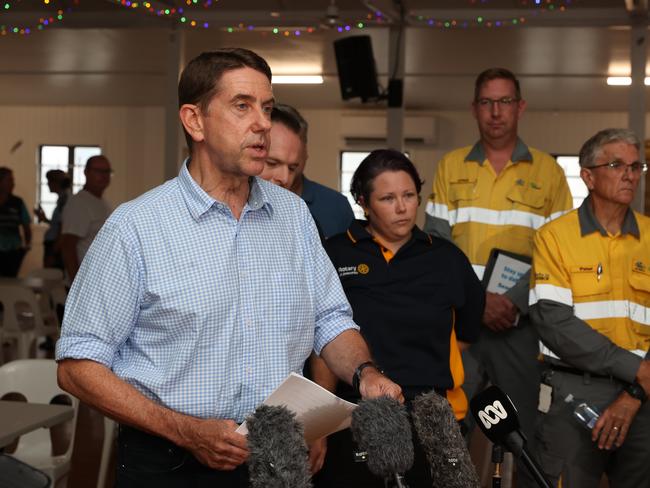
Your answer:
<point x="515" y="443"/>
<point x="396" y="482"/>
<point x="497" y="459"/>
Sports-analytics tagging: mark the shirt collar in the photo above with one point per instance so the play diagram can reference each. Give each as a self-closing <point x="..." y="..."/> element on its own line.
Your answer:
<point x="199" y="202"/>
<point x="520" y="153"/>
<point x="589" y="223"/>
<point x="357" y="232"/>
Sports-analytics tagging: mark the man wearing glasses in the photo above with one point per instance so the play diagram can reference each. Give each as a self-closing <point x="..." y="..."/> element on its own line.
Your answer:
<point x="494" y="195"/>
<point x="590" y="302"/>
<point x="85" y="214"/>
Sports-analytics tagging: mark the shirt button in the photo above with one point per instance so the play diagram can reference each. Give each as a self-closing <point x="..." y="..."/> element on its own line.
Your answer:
<point x="248" y="370"/>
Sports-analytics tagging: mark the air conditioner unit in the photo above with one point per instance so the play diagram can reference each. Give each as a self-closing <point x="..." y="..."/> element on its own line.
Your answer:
<point x="370" y="130"/>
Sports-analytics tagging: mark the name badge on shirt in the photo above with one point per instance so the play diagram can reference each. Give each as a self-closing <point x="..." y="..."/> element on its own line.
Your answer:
<point x="545" y="398"/>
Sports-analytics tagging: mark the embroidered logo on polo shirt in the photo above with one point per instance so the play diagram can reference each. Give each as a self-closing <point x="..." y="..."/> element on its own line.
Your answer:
<point x="542" y="276"/>
<point x="535" y="186"/>
<point x="363" y="268"/>
<point x="347" y="271"/>
<point x="520" y="182"/>
<point x="639" y="266"/>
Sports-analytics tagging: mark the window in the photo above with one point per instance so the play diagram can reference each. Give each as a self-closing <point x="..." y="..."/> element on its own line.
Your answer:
<point x="571" y="169"/>
<point x="72" y="160"/>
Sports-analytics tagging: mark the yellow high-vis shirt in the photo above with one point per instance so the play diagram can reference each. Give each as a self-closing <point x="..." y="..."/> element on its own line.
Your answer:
<point x="485" y="210"/>
<point x="605" y="278"/>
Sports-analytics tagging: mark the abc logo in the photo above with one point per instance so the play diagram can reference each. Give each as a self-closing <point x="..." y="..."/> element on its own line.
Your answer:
<point x="492" y="414"/>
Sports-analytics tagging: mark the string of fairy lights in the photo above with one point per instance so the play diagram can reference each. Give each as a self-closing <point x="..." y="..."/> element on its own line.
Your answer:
<point x="186" y="16"/>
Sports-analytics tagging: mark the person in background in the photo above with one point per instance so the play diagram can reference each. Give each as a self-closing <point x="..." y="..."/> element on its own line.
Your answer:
<point x="85" y="213"/>
<point x="58" y="182"/>
<point x="415" y="297"/>
<point x="285" y="166"/>
<point x="13" y="218"/>
<point x="197" y="299"/>
<point x="494" y="195"/>
<point x="590" y="302"/>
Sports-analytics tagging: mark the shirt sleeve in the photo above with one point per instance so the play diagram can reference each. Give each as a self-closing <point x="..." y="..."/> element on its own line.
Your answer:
<point x="437" y="210"/>
<point x="551" y="310"/>
<point x="518" y="294"/>
<point x="333" y="311"/>
<point x="104" y="302"/>
<point x="24" y="214"/>
<point x="561" y="199"/>
<point x="469" y="316"/>
<point x="75" y="219"/>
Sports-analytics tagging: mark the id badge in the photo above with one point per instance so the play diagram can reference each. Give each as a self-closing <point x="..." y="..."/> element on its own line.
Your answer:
<point x="545" y="397"/>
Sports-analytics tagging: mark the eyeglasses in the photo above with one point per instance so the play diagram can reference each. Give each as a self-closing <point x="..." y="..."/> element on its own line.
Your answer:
<point x="636" y="167"/>
<point x="503" y="102"/>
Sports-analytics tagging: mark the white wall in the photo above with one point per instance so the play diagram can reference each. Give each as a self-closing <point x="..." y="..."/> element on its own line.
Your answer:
<point x="132" y="138"/>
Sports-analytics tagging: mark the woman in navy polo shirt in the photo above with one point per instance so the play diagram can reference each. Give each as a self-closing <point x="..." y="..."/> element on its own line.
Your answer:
<point x="414" y="296"/>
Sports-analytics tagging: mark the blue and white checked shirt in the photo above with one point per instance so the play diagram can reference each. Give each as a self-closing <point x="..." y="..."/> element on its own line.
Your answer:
<point x="201" y="312"/>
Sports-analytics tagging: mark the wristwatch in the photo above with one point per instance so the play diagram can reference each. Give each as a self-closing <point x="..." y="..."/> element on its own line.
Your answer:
<point x="356" y="377"/>
<point x="635" y="390"/>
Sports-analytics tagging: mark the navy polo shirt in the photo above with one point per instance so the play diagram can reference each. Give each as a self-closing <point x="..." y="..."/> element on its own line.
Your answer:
<point x="406" y="307"/>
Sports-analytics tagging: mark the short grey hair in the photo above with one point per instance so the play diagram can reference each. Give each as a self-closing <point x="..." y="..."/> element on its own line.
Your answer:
<point x="593" y="148"/>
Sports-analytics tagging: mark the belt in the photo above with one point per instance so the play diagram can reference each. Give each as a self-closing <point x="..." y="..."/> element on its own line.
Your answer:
<point x="576" y="371"/>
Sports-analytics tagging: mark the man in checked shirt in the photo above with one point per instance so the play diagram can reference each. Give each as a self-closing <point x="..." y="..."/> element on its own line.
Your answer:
<point x="199" y="297"/>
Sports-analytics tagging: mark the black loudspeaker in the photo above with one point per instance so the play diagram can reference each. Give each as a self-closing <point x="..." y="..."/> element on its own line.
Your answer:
<point x="356" y="67"/>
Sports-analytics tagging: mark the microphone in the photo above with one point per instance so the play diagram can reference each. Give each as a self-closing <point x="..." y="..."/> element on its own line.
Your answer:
<point x="279" y="457"/>
<point x="443" y="443"/>
<point x="497" y="417"/>
<point x="381" y="428"/>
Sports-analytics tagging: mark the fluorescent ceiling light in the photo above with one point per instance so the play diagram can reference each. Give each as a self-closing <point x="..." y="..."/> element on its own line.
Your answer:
<point x="297" y="80"/>
<point x="624" y="81"/>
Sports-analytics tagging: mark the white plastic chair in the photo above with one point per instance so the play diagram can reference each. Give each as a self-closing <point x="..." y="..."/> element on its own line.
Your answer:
<point x="19" y="326"/>
<point x="54" y="296"/>
<point x="46" y="273"/>
<point x="35" y="379"/>
<point x="108" y="447"/>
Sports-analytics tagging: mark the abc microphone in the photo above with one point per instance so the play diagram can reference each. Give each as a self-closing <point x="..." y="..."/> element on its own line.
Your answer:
<point x="279" y="457"/>
<point x="497" y="417"/>
<point x="381" y="428"/>
<point x="443" y="443"/>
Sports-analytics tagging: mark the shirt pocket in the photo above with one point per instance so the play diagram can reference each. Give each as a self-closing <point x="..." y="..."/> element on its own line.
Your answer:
<point x="585" y="280"/>
<point x="640" y="305"/>
<point x="526" y="199"/>
<point x="461" y="192"/>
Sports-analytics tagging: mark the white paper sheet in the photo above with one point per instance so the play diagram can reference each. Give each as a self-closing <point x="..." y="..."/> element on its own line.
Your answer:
<point x="320" y="411"/>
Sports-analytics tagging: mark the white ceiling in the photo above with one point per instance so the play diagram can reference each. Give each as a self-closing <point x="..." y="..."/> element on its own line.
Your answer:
<point x="105" y="54"/>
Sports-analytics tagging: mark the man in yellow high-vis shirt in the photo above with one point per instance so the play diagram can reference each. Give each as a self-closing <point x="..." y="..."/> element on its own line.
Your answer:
<point x="590" y="301"/>
<point x="495" y="194"/>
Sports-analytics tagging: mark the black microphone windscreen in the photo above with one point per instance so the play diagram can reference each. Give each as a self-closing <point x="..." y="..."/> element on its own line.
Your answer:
<point x="279" y="457"/>
<point x="495" y="414"/>
<point x="380" y="426"/>
<point x="443" y="443"/>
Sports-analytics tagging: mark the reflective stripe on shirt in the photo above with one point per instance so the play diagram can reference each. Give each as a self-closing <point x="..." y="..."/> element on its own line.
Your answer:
<point x="550" y="292"/>
<point x="609" y="309"/>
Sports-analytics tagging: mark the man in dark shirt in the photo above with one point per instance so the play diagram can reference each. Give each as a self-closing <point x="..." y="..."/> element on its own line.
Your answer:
<point x="13" y="217"/>
<point x="285" y="164"/>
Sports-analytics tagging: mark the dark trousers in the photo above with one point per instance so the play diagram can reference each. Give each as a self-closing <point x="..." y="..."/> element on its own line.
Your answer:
<point x="147" y="460"/>
<point x="10" y="262"/>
